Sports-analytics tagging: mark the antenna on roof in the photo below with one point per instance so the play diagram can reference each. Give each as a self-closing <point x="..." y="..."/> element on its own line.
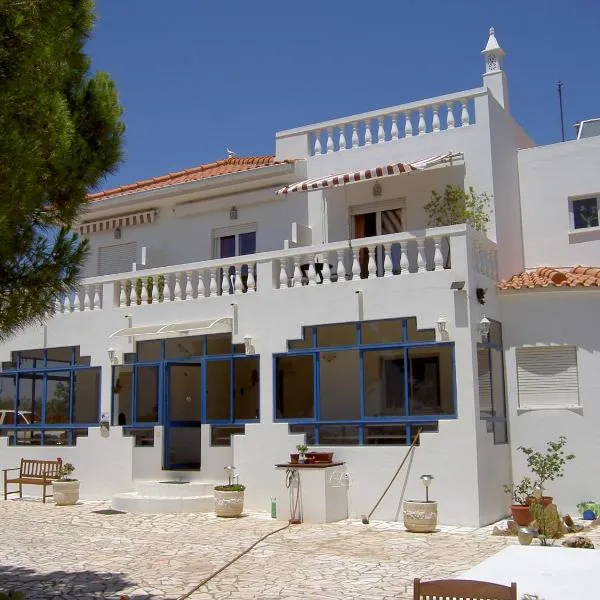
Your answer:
<point x="559" y="87"/>
<point x="230" y="153"/>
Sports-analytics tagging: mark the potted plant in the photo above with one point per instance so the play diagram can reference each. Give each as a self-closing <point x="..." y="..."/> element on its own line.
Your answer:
<point x="229" y="499"/>
<point x="301" y="456"/>
<point x="548" y="465"/>
<point x="66" y="487"/>
<point x="421" y="516"/>
<point x="521" y="494"/>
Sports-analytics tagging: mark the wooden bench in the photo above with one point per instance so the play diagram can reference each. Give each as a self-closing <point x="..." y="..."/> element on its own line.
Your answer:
<point x="33" y="472"/>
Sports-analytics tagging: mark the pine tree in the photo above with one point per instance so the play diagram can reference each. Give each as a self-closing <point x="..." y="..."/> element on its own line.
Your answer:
<point x="60" y="135"/>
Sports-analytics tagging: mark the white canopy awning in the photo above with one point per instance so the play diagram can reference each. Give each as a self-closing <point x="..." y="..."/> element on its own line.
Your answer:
<point x="222" y="325"/>
<point x="318" y="183"/>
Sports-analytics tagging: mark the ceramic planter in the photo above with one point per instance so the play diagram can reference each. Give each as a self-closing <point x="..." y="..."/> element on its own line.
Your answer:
<point x="66" y="493"/>
<point x="229" y="503"/>
<point x="320" y="457"/>
<point x="420" y="517"/>
<point x="521" y="514"/>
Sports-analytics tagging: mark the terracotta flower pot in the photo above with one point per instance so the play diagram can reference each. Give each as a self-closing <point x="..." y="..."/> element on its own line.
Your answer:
<point x="521" y="514"/>
<point x="321" y="457"/>
<point x="294" y="459"/>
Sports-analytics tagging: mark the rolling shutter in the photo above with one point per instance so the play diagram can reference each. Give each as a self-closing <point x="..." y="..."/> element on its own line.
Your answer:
<point x="116" y="259"/>
<point x="547" y="377"/>
<point x="485" y="383"/>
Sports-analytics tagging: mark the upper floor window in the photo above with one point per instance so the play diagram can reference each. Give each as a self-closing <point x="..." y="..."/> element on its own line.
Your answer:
<point x="235" y="241"/>
<point x="584" y="212"/>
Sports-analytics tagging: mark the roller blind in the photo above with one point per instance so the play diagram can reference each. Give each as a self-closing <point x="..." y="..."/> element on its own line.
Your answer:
<point x="117" y="258"/>
<point x="547" y="377"/>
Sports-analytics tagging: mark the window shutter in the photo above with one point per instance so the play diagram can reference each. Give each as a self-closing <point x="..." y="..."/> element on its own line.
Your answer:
<point x="485" y="382"/>
<point x="547" y="377"/>
<point x="116" y="259"/>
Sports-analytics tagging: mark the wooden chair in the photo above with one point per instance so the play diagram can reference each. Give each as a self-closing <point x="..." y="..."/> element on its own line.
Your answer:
<point x="463" y="589"/>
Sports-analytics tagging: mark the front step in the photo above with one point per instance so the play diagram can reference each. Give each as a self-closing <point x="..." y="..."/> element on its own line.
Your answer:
<point x="166" y="497"/>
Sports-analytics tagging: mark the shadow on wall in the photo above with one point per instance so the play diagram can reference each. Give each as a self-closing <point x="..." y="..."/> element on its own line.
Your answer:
<point x="63" y="584"/>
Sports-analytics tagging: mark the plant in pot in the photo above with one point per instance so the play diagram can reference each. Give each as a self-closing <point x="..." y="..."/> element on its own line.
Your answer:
<point x="521" y="494"/>
<point x="548" y="465"/>
<point x="229" y="498"/>
<point x="66" y="487"/>
<point x="301" y="456"/>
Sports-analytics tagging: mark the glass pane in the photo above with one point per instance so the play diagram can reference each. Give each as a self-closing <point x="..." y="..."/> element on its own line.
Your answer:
<point x="59" y="357"/>
<point x="338" y="435"/>
<point x="184" y="347"/>
<point x="246" y="388"/>
<point x="26" y="437"/>
<point x="384" y="383"/>
<point x="227" y="246"/>
<point x="485" y="383"/>
<point x="391" y="221"/>
<point x="10" y="364"/>
<point x="585" y="213"/>
<point x="86" y="396"/>
<point x="221" y="436"/>
<point x="308" y="430"/>
<point x="31" y="359"/>
<point x="146" y="405"/>
<point x="149" y="351"/>
<point x="384" y="435"/>
<point x="58" y="388"/>
<point x="122" y="395"/>
<point x="416" y="335"/>
<point x="76" y="434"/>
<point x="143" y="437"/>
<point x="8" y="392"/>
<point x="382" y="332"/>
<point x="431" y="381"/>
<point x="82" y="361"/>
<point x="184" y="393"/>
<point x="343" y="334"/>
<point x="129" y="358"/>
<point x="218" y="344"/>
<point x="305" y="342"/>
<point x="30" y="397"/>
<point x="339" y="374"/>
<point x="184" y="447"/>
<point x="54" y="437"/>
<point x="248" y="242"/>
<point x="295" y="393"/>
<point x="218" y="391"/>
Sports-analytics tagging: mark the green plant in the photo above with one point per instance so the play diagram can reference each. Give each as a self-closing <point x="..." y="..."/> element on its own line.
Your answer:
<point x="230" y="487"/>
<point x="548" y="465"/>
<point x="12" y="596"/>
<point x="302" y="448"/>
<point x="521" y="492"/>
<point x="458" y="206"/>
<point x="65" y="471"/>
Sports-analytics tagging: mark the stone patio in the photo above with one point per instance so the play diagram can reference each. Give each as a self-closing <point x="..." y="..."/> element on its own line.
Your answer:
<point x="77" y="553"/>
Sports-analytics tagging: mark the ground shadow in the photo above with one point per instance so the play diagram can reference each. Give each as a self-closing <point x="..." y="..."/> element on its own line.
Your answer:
<point x="79" y="585"/>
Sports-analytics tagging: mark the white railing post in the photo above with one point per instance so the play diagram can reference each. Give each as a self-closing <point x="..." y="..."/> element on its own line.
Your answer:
<point x="464" y="115"/>
<point x="421" y="262"/>
<point x="144" y="294"/>
<point x="368" y="134"/>
<point x="239" y="284"/>
<point x="251" y="282"/>
<point x="388" y="265"/>
<point x="214" y="288"/>
<point x="87" y="303"/>
<point x="394" y="128"/>
<point x="380" y="130"/>
<point x="283" y="278"/>
<point x="372" y="265"/>
<point x="435" y="121"/>
<point x="438" y="258"/>
<point x="404" y="262"/>
<point x="326" y="271"/>
<point x="123" y="294"/>
<point x="450" y="115"/>
<point x="96" y="302"/>
<point x="317" y="150"/>
<point x="312" y="273"/>
<point x="201" y="292"/>
<point x="408" y="130"/>
<point x="132" y="292"/>
<point x="329" y="140"/>
<point x="355" y="264"/>
<point x="340" y="269"/>
<point x="355" y="138"/>
<point x="177" y="289"/>
<point x="422" y="126"/>
<point x="342" y="139"/>
<point x="77" y="300"/>
<point x="155" y="294"/>
<point x="297" y="272"/>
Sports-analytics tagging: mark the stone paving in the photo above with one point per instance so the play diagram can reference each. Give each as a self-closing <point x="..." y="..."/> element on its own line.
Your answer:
<point x="76" y="553"/>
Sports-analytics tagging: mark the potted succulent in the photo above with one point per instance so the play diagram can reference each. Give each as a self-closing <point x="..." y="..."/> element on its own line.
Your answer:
<point x="300" y="457"/>
<point x="521" y="494"/>
<point x="66" y="487"/>
<point x="229" y="499"/>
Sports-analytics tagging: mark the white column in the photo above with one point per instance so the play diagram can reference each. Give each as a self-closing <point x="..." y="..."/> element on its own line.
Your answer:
<point x="380" y="130"/>
<point x="283" y="278"/>
<point x="438" y="258"/>
<point x="214" y="289"/>
<point x="297" y="272"/>
<point x="421" y="262"/>
<point x="329" y="140"/>
<point x="144" y="294"/>
<point x="422" y="127"/>
<point x="464" y="115"/>
<point x="388" y="266"/>
<point x="132" y="293"/>
<point x="355" y="263"/>
<point x="404" y="262"/>
<point x="77" y="302"/>
<point x="341" y="269"/>
<point x="312" y="274"/>
<point x="450" y="115"/>
<point x="355" y="139"/>
<point x="189" y="286"/>
<point x="372" y="265"/>
<point x="317" y="151"/>
<point x="201" y="291"/>
<point x="155" y="289"/>
<point x="251" y="283"/>
<point x="326" y="272"/>
<point x="368" y="134"/>
<point x="394" y="129"/>
<point x="435" y="121"/>
<point x="123" y="294"/>
<point x="239" y="284"/>
<point x="408" y="130"/>
<point x="96" y="297"/>
<point x="177" y="289"/>
<point x="342" y="139"/>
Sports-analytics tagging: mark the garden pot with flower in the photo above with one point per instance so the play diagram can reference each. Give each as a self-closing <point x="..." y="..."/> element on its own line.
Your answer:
<point x="521" y="494"/>
<point x="66" y="487"/>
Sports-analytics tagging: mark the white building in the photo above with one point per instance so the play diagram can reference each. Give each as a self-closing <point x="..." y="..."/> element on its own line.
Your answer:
<point x="212" y="305"/>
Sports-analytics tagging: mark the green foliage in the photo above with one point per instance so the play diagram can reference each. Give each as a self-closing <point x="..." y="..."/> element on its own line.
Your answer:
<point x="547" y="521"/>
<point x="65" y="472"/>
<point x="548" y="465"/>
<point x="521" y="492"/>
<point x="149" y="287"/>
<point x="61" y="134"/>
<point x="12" y="596"/>
<point x="302" y="448"/>
<point x="231" y="487"/>
<point x="57" y="407"/>
<point x="458" y="206"/>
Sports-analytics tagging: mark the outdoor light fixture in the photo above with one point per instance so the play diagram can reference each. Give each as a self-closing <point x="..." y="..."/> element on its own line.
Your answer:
<point x="248" y="344"/>
<point x="457" y="285"/>
<point x="230" y="469"/>
<point x="442" y="325"/>
<point x="484" y="327"/>
<point x="112" y="356"/>
<point x="426" y="479"/>
<point x="233" y="213"/>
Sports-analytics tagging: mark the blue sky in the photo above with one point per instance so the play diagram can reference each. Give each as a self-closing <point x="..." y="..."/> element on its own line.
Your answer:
<point x="195" y="77"/>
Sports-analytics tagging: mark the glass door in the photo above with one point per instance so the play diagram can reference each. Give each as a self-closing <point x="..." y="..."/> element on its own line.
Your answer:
<point x="235" y="244"/>
<point x="183" y="416"/>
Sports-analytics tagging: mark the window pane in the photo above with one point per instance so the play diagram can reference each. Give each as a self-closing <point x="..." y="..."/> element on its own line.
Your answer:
<point x="143" y="437"/>
<point x="12" y="363"/>
<point x="30" y="397"/>
<point x="248" y="242"/>
<point x="184" y="347"/>
<point x="147" y="394"/>
<point x="218" y="391"/>
<point x="26" y="437"/>
<point x="8" y="392"/>
<point x="246" y="388"/>
<point x="338" y="435"/>
<point x="382" y="332"/>
<point x="54" y="437"/>
<point x="295" y="394"/>
<point x="184" y="392"/>
<point x="58" y="386"/>
<point x="122" y="394"/>
<point x="485" y="383"/>
<point x="343" y="334"/>
<point x="585" y="213"/>
<point x="149" y="351"/>
<point x="431" y="381"/>
<point x="221" y="436"/>
<point x="305" y="342"/>
<point x="339" y="374"/>
<point x="30" y="359"/>
<point x="86" y="396"/>
<point x="384" y="383"/>
<point x="218" y="344"/>
<point x="383" y="435"/>
<point x="59" y="357"/>
<point x="227" y="246"/>
<point x="82" y="361"/>
<point x="308" y="430"/>
<point x="419" y="335"/>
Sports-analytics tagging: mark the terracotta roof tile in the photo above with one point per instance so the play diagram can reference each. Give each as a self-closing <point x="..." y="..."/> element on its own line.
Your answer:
<point x="544" y="277"/>
<point x="220" y="167"/>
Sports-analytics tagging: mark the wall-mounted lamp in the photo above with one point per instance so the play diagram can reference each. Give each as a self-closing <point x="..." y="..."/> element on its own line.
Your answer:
<point x="230" y="473"/>
<point x="233" y="213"/>
<point x="117" y="233"/>
<point x="112" y="356"/>
<point x="442" y="325"/>
<point x="484" y="327"/>
<point x="377" y="189"/>
<point x="457" y="285"/>
<point x="426" y="479"/>
<point x="248" y="347"/>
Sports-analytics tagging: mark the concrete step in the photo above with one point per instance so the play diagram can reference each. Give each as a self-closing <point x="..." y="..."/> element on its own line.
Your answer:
<point x="174" y="489"/>
<point x="135" y="502"/>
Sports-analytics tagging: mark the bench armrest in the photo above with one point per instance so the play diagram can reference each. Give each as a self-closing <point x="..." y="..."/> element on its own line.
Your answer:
<point x="13" y="469"/>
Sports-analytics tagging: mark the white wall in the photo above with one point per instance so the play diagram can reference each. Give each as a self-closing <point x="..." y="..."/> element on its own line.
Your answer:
<point x="549" y="175"/>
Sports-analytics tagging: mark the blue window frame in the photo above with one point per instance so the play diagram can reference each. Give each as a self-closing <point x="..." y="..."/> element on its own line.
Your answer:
<point x="369" y="383"/>
<point x="48" y="397"/>
<point x="229" y="389"/>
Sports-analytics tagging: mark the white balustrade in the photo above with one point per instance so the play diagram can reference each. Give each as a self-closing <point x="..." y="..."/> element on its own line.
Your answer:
<point x="87" y="303"/>
<point x="123" y="299"/>
<point x="177" y="288"/>
<point x="341" y="269"/>
<point x="96" y="301"/>
<point x="251" y="283"/>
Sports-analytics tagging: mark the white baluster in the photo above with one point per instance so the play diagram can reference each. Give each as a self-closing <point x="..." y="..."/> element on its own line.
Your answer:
<point x="166" y="295"/>
<point x="68" y="302"/>
<point x="201" y="292"/>
<point x="96" y="297"/>
<point x="422" y="127"/>
<point x="283" y="278"/>
<point x="317" y="142"/>
<point x="341" y="269"/>
<point x="77" y="302"/>
<point x="58" y="307"/>
<point x="380" y="131"/>
<point x="404" y="262"/>
<point x="213" y="287"/>
<point x="464" y="115"/>
<point x="123" y="294"/>
<point x="329" y="140"/>
<point x="438" y="257"/>
<point x="132" y="293"/>
<point x="144" y="294"/>
<point x="394" y="128"/>
<point x="421" y="262"/>
<point x="189" y="287"/>
<point x="368" y="134"/>
<point x="155" y="294"/>
<point x="297" y="272"/>
<point x="312" y="273"/>
<point x="326" y="272"/>
<point x="225" y="282"/>
<point x="450" y="115"/>
<point x="408" y="130"/>
<point x="342" y="140"/>
<point x="239" y="284"/>
<point x="355" y="138"/>
<point x="372" y="265"/>
<point x="177" y="289"/>
<point x="251" y="282"/>
<point x="355" y="264"/>
<point x="435" y="120"/>
<point x="388" y="265"/>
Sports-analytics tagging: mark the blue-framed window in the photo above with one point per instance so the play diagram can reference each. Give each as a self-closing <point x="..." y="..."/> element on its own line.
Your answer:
<point x="48" y="397"/>
<point x="492" y="393"/>
<point x="368" y="383"/>
<point x="219" y="375"/>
